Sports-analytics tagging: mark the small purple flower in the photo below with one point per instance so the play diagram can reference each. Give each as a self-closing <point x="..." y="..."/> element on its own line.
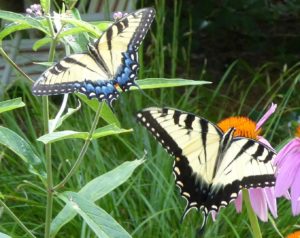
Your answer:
<point x="118" y="15"/>
<point x="288" y="173"/>
<point x="261" y="198"/>
<point x="34" y="10"/>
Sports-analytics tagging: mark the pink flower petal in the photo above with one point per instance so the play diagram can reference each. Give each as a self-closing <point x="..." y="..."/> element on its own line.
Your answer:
<point x="285" y="176"/>
<point x="259" y="203"/>
<point x="264" y="141"/>
<point x="271" y="200"/>
<point x="238" y="202"/>
<point x="295" y="194"/>
<point x="265" y="117"/>
<point x="293" y="145"/>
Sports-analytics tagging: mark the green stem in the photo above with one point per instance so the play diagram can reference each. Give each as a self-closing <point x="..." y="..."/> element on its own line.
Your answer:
<point x="83" y="150"/>
<point x="48" y="158"/>
<point x="251" y="215"/>
<point x="12" y="63"/>
<point x="16" y="219"/>
<point x="48" y="169"/>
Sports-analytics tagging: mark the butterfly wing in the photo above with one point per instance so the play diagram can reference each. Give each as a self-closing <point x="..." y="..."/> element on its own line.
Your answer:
<point x="245" y="164"/>
<point x="118" y="46"/>
<point x="75" y="73"/>
<point x="195" y="144"/>
<point x="111" y="60"/>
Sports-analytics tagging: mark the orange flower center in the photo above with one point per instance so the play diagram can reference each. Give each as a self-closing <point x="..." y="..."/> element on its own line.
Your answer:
<point x="244" y="126"/>
<point x="297" y="134"/>
<point x="294" y="235"/>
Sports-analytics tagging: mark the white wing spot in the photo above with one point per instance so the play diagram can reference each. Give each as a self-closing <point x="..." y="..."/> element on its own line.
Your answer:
<point x="147" y="124"/>
<point x="177" y="170"/>
<point x="186" y="194"/>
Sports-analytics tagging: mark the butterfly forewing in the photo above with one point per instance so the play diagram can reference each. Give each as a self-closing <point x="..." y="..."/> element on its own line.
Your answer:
<point x="125" y="35"/>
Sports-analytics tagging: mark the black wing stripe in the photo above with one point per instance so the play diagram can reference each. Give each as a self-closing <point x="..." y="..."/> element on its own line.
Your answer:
<point x="176" y="116"/>
<point x="165" y="139"/>
<point x="109" y="34"/>
<point x="189" y="121"/>
<point x="204" y="128"/>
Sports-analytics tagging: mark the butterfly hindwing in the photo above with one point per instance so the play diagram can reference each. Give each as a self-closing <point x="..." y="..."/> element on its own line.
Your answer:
<point x="209" y="172"/>
<point x="110" y="62"/>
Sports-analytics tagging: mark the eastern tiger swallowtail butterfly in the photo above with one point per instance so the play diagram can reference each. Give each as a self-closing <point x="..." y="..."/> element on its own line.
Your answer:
<point x="210" y="166"/>
<point x="110" y="62"/>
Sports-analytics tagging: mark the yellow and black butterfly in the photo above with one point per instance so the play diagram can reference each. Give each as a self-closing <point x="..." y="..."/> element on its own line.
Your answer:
<point x="111" y="62"/>
<point x="211" y="166"/>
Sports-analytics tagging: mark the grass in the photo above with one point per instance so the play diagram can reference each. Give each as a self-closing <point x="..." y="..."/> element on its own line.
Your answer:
<point x="148" y="204"/>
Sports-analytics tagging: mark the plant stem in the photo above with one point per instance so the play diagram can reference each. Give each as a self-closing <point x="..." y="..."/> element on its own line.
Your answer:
<point x="251" y="215"/>
<point x="16" y="219"/>
<point x="83" y="150"/>
<point x="12" y="63"/>
<point x="48" y="158"/>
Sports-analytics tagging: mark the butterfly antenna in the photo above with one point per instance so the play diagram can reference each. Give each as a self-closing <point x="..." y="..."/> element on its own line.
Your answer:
<point x="146" y="95"/>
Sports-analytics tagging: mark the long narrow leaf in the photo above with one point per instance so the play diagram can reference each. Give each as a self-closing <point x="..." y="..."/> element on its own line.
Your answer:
<point x="100" y="132"/>
<point x="23" y="19"/>
<point x="20" y="147"/>
<point x="165" y="83"/>
<point x="97" y="219"/>
<point x="11" y="104"/>
<point x="96" y="189"/>
<point x="13" y="27"/>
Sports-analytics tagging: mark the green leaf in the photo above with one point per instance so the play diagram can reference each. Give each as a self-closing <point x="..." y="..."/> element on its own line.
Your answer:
<point x="41" y="42"/>
<point x="87" y="27"/>
<point x="109" y="130"/>
<point x="62" y="135"/>
<point x="23" y="19"/>
<point x="96" y="189"/>
<point x="97" y="219"/>
<point x="165" y="83"/>
<point x="11" y="104"/>
<point x="106" y="113"/>
<point x="20" y="147"/>
<point x="13" y="27"/>
<point x="2" y="235"/>
<point x="100" y="132"/>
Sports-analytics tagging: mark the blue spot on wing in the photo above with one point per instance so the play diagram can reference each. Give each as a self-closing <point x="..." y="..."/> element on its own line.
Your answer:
<point x="127" y="74"/>
<point x="102" y="90"/>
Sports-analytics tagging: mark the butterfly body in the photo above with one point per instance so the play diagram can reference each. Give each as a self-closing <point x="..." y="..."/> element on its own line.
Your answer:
<point x="111" y="62"/>
<point x="211" y="166"/>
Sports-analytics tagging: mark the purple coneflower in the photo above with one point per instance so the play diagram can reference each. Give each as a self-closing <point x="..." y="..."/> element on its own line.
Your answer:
<point x="288" y="172"/>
